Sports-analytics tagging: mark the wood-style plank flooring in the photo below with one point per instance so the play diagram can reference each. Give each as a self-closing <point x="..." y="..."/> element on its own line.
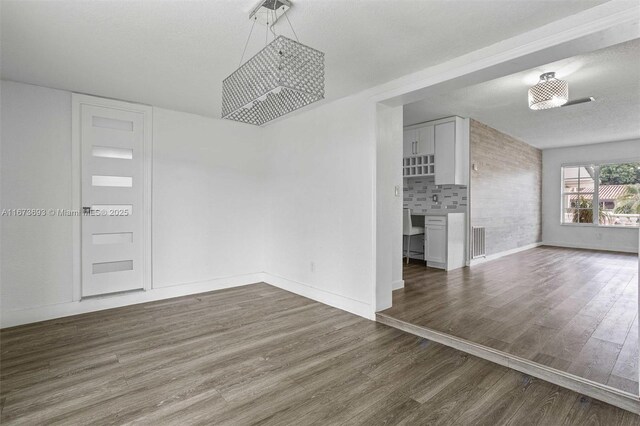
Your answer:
<point x="258" y="354"/>
<point x="573" y="310"/>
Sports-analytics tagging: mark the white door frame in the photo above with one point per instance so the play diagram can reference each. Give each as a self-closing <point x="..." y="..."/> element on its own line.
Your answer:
<point x="77" y="100"/>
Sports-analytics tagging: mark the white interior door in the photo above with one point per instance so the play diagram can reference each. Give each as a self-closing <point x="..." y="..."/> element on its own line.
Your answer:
<point x="114" y="197"/>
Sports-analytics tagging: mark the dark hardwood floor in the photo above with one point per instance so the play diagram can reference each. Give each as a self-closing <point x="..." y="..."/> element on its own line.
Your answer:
<point x="258" y="354"/>
<point x="573" y="310"/>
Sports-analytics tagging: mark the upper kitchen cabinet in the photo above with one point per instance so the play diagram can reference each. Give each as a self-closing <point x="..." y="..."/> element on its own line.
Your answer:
<point x="452" y="151"/>
<point x="409" y="141"/>
<point x="443" y="145"/>
<point x="420" y="141"/>
<point x="426" y="140"/>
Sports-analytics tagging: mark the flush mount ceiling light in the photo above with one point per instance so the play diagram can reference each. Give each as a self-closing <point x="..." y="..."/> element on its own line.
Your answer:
<point x="549" y="92"/>
<point x="284" y="76"/>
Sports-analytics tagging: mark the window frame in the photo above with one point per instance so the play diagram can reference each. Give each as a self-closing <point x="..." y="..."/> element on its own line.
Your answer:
<point x="596" y="192"/>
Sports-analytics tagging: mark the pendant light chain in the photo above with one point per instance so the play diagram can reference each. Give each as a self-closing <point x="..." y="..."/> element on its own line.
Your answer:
<point x="273" y="17"/>
<point x="291" y="26"/>
<point x="247" y="42"/>
<point x="273" y="25"/>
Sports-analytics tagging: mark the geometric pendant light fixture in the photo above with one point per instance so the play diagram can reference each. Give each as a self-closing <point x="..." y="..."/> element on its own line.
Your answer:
<point x="549" y="92"/>
<point x="282" y="77"/>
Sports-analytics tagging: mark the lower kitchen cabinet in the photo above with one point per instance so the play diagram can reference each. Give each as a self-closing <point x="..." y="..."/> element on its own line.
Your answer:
<point x="445" y="241"/>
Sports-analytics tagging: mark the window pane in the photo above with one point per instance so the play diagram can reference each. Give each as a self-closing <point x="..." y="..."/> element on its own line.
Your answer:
<point x="587" y="184"/>
<point x="584" y="215"/>
<point x="121" y="181"/>
<point x="570" y="216"/>
<point x="578" y="186"/>
<point x="570" y="179"/>
<point x="578" y="179"/>
<point x="112" y="123"/>
<point x="582" y="201"/>
<point x="619" y="194"/>
<point x="105" y="267"/>
<point x="113" y="238"/>
<point x="112" y="152"/>
<point x="569" y="200"/>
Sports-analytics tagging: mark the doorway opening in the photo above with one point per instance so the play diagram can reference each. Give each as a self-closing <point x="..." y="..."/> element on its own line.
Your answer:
<point x="511" y="262"/>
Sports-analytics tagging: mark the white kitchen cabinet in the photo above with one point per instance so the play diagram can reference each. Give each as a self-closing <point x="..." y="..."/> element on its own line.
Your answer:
<point x="445" y="241"/>
<point x="443" y="145"/>
<point x="426" y="140"/>
<point x="436" y="242"/>
<point x="417" y="152"/>
<point x="452" y="152"/>
<point x="409" y="142"/>
<point x="445" y="137"/>
<point x="420" y="141"/>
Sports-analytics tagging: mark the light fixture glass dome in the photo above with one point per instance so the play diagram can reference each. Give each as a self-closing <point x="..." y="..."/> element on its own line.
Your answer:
<point x="549" y="92"/>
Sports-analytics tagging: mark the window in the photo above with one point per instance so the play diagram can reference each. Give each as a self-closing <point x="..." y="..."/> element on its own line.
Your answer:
<point x="604" y="194"/>
<point x="577" y="193"/>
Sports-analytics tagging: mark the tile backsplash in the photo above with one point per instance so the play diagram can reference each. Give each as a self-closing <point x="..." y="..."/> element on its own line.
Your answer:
<point x="419" y="192"/>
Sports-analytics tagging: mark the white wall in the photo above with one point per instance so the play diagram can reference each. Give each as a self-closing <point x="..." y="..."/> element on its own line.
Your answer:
<point x="321" y="204"/>
<point x="593" y="237"/>
<point x="36" y="264"/>
<point x="208" y="198"/>
<point x="207" y="215"/>
<point x="388" y="204"/>
<point x="229" y="202"/>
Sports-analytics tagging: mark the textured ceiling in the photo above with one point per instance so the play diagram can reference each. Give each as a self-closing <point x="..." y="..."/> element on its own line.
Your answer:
<point x="174" y="54"/>
<point x="611" y="75"/>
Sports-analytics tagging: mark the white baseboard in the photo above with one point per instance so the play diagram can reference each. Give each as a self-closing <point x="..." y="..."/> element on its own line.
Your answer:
<point x="397" y="285"/>
<point x="591" y="247"/>
<point x="353" y="306"/>
<point x="10" y="318"/>
<point x="495" y="256"/>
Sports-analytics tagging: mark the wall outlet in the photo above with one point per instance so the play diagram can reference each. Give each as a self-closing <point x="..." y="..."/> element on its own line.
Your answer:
<point x="312" y="266"/>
